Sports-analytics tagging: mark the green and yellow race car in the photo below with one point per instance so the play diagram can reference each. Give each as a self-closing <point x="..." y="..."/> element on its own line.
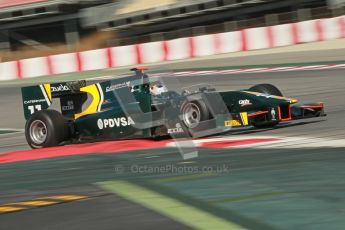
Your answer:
<point x="140" y="106"/>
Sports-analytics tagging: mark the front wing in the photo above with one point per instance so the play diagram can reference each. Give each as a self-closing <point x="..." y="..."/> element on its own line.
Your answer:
<point x="281" y="113"/>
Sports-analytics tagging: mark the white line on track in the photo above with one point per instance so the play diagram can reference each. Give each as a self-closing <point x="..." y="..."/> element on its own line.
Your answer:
<point x="270" y="142"/>
<point x="297" y="143"/>
<point x="240" y="71"/>
<point x="261" y="70"/>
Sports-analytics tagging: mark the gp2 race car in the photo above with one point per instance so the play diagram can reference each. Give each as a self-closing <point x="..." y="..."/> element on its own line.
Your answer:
<point x="137" y="107"/>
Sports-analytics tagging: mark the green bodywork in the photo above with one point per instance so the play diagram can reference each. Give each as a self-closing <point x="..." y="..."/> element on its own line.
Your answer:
<point x="112" y="121"/>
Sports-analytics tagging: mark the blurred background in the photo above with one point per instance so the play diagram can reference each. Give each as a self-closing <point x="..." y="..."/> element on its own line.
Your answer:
<point x="33" y="28"/>
<point x="288" y="177"/>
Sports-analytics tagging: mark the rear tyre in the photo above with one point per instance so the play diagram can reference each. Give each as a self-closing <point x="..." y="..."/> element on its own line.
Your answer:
<point x="266" y="89"/>
<point x="46" y="128"/>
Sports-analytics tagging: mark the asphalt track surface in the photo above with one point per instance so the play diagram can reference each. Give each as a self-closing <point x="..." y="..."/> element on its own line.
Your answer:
<point x="274" y="187"/>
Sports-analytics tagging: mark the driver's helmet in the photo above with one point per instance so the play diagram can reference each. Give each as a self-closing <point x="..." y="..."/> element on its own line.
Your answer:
<point x="157" y="88"/>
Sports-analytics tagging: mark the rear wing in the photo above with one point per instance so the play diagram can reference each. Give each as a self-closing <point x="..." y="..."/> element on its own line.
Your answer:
<point x="39" y="97"/>
<point x="36" y="98"/>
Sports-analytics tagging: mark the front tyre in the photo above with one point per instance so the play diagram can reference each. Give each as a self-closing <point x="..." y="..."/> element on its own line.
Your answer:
<point x="269" y="90"/>
<point x="266" y="89"/>
<point x="193" y="112"/>
<point x="46" y="128"/>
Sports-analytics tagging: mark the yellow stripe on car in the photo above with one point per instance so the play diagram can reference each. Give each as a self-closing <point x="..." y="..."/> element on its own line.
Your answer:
<point x="244" y="117"/>
<point x="235" y="123"/>
<point x="48" y="91"/>
<point x="291" y="100"/>
<point x="96" y="100"/>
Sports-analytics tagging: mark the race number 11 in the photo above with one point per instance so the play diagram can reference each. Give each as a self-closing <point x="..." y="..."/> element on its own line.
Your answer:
<point x="34" y="108"/>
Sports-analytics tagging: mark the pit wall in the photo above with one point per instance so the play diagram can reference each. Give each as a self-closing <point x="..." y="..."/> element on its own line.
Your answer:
<point x="182" y="48"/>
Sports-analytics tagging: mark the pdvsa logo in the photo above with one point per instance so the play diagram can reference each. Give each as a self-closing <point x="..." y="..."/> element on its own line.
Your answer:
<point x="115" y="122"/>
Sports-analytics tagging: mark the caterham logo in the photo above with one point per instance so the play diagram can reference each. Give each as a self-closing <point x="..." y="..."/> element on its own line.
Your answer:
<point x="34" y="101"/>
<point x="117" y="86"/>
<point x="115" y="122"/>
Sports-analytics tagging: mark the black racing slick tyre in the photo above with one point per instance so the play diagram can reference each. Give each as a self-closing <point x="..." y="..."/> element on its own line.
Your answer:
<point x="46" y="128"/>
<point x="193" y="112"/>
<point x="266" y="89"/>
